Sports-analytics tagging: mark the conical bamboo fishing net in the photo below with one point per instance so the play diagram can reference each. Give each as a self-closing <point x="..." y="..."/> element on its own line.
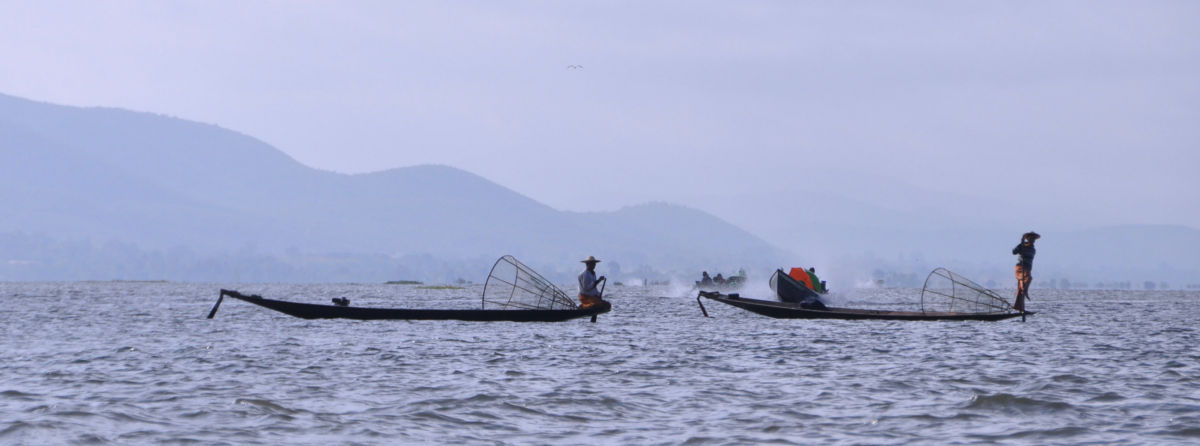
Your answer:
<point x="513" y="286"/>
<point x="947" y="292"/>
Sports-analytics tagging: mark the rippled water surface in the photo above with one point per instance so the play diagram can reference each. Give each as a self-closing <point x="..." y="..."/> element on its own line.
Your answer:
<point x="128" y="363"/>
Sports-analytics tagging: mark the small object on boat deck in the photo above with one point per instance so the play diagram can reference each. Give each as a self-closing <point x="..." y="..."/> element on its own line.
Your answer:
<point x="341" y="301"/>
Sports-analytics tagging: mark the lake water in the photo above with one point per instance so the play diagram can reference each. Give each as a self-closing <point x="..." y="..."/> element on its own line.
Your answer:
<point x="134" y="363"/>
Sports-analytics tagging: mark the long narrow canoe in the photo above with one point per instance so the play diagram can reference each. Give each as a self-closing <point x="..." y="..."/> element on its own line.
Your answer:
<point x="786" y="310"/>
<point x="315" y="311"/>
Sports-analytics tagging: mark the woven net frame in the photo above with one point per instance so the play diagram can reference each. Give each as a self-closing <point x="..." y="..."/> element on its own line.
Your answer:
<point x="947" y="292"/>
<point x="512" y="285"/>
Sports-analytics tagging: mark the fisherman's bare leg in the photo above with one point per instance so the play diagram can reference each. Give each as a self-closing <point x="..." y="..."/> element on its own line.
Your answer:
<point x="1025" y="286"/>
<point x="1022" y="288"/>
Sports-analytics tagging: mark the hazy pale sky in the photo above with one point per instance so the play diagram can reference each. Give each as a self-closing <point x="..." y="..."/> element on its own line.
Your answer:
<point x="1071" y="105"/>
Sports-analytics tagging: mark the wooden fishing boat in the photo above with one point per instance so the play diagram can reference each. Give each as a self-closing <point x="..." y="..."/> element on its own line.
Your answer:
<point x="945" y="297"/>
<point x="513" y="292"/>
<point x="317" y="311"/>
<point x="790" y="290"/>
<point x="787" y="310"/>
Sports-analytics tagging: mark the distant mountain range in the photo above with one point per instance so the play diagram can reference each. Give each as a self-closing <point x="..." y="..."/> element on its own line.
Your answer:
<point x="100" y="193"/>
<point x="103" y="193"/>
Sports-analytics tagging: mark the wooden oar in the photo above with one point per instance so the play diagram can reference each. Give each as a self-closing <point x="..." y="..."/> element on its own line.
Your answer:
<point x="702" y="310"/>
<point x="217" y="305"/>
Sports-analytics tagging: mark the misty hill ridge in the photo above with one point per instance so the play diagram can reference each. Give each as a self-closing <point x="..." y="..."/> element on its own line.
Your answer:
<point x="161" y="182"/>
<point x="105" y="174"/>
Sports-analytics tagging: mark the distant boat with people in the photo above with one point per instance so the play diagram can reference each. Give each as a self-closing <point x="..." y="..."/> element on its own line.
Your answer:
<point x="721" y="283"/>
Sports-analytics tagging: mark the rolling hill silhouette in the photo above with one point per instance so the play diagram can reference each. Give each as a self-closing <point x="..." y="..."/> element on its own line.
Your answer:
<point x="153" y="185"/>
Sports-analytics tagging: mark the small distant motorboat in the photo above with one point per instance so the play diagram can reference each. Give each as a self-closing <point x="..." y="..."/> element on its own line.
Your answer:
<point x="513" y="292"/>
<point x="714" y="286"/>
<point x="731" y="283"/>
<point x="945" y="297"/>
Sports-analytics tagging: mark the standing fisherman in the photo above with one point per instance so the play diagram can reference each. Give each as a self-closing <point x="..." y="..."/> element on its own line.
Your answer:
<point x="1024" y="269"/>
<point x="589" y="295"/>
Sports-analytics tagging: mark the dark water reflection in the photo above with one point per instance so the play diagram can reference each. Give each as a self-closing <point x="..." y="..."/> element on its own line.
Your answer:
<point x="121" y="363"/>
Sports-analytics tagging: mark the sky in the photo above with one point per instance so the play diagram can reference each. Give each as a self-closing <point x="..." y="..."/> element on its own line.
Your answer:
<point x="1085" y="112"/>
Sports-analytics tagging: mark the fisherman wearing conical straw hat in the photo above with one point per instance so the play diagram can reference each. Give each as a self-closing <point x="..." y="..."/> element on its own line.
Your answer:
<point x="589" y="294"/>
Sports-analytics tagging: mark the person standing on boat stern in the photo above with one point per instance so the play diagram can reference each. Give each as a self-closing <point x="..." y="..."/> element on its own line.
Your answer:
<point x="1024" y="269"/>
<point x="589" y="293"/>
